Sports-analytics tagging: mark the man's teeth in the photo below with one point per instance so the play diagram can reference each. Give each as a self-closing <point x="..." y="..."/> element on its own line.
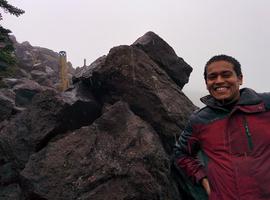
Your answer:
<point x="221" y="88"/>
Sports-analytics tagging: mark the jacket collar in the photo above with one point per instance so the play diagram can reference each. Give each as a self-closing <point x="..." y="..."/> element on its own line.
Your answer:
<point x="249" y="101"/>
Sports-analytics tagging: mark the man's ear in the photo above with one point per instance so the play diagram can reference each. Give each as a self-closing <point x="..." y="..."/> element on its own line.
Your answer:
<point x="207" y="88"/>
<point x="240" y="79"/>
<point x="206" y="84"/>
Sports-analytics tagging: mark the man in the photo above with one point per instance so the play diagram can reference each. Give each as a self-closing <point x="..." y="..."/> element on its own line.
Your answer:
<point x="233" y="134"/>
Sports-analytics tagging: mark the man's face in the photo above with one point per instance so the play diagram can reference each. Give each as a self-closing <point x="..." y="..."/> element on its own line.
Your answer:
<point x="222" y="81"/>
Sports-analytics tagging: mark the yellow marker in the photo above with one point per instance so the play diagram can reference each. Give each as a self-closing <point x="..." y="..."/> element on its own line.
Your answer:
<point x="64" y="83"/>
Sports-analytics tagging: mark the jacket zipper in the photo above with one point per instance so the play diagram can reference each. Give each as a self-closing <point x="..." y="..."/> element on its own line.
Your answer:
<point x="250" y="144"/>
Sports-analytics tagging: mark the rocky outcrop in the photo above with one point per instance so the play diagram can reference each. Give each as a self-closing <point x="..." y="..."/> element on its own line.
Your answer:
<point x="39" y="64"/>
<point x="163" y="54"/>
<point x="109" y="136"/>
<point x="119" y="156"/>
<point x="6" y="104"/>
<point x="129" y="74"/>
<point x="17" y="95"/>
<point x="37" y="70"/>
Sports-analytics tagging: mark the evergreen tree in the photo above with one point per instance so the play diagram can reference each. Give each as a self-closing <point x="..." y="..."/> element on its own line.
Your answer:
<point x="6" y="45"/>
<point x="6" y="49"/>
<point x="10" y="9"/>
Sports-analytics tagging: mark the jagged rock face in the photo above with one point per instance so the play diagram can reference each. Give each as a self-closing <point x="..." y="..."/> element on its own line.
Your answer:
<point x="164" y="55"/>
<point x="85" y="73"/>
<point x="109" y="136"/>
<point x="129" y="74"/>
<point x="119" y="156"/>
<point x="25" y="90"/>
<point x="50" y="116"/>
<point x="39" y="64"/>
<point x="18" y="95"/>
<point x="37" y="71"/>
<point x="6" y="105"/>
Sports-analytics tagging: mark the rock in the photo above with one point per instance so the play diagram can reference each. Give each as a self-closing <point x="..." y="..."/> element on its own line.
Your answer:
<point x="42" y="78"/>
<point x="37" y="74"/>
<point x="85" y="73"/>
<point x="23" y="73"/>
<point x="129" y="74"/>
<point x="8" y="107"/>
<point x="25" y="90"/>
<point x="7" y="104"/>
<point x="3" y="65"/>
<point x="49" y="115"/>
<point x="109" y="136"/>
<point x="118" y="157"/>
<point x="165" y="57"/>
<point x="10" y="82"/>
<point x="41" y="63"/>
<point x="11" y="192"/>
<point x="49" y="70"/>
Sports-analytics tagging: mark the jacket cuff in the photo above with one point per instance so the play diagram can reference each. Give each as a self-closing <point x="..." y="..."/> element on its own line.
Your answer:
<point x="199" y="176"/>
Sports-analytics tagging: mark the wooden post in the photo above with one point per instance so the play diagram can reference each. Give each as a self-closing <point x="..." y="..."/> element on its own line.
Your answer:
<point x="64" y="83"/>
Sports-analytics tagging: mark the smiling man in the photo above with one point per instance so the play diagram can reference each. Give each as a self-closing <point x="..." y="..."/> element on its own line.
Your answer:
<point x="233" y="134"/>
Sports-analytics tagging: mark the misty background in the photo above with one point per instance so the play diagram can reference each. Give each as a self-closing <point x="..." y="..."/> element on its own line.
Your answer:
<point x="196" y="30"/>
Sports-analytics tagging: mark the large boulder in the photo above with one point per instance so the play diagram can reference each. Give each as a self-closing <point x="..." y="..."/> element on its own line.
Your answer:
<point x="17" y="94"/>
<point x="129" y="74"/>
<point x="109" y="136"/>
<point x="7" y="103"/>
<point x="49" y="116"/>
<point x="38" y="63"/>
<point x="11" y="192"/>
<point x="118" y="157"/>
<point x="84" y="73"/>
<point x="164" y="55"/>
<point x="25" y="90"/>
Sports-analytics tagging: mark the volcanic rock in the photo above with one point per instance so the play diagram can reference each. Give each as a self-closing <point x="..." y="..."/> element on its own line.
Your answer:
<point x="36" y="61"/>
<point x="6" y="105"/>
<point x="164" y="55"/>
<point x="129" y="74"/>
<point x="118" y="157"/>
<point x="109" y="136"/>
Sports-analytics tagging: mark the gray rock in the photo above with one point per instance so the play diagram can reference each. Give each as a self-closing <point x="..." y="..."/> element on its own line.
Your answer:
<point x="10" y="82"/>
<point x="85" y="73"/>
<point x="3" y="65"/>
<point x="129" y="74"/>
<point x="11" y="192"/>
<point x="164" y="55"/>
<point x="41" y="63"/>
<point x="49" y="115"/>
<point x="118" y="157"/>
<point x="109" y="136"/>
<point x="25" y="90"/>
<point x="7" y="104"/>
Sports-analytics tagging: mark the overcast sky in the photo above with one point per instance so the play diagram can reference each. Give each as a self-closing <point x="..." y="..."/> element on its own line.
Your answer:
<point x="196" y="29"/>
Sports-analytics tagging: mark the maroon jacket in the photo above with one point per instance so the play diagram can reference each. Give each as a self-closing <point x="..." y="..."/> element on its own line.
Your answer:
<point x="235" y="144"/>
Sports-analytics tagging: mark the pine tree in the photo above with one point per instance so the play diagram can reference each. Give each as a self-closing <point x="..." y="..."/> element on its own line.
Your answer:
<point x="6" y="45"/>
<point x="10" y="9"/>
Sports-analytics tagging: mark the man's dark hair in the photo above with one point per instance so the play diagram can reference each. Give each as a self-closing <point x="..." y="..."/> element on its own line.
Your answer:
<point x="233" y="61"/>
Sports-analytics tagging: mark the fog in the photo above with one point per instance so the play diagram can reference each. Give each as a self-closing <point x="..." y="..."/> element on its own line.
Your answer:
<point x="195" y="29"/>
